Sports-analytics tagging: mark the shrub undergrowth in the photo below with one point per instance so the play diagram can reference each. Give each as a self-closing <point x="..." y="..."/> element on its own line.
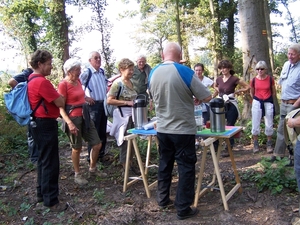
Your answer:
<point x="274" y="177"/>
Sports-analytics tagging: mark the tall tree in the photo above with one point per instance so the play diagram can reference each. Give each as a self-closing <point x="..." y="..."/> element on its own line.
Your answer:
<point x="38" y="24"/>
<point x="157" y="31"/>
<point x="104" y="26"/>
<point x="291" y="21"/>
<point x="178" y="13"/>
<point x="58" y="32"/>
<point x="100" y="23"/>
<point x="22" y="21"/>
<point x="254" y="41"/>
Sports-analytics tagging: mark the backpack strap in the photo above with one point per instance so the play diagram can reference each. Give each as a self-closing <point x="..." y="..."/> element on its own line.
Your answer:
<point x="39" y="103"/>
<point x="86" y="85"/>
<point x="118" y="96"/>
<point x="253" y="84"/>
<point x="271" y="84"/>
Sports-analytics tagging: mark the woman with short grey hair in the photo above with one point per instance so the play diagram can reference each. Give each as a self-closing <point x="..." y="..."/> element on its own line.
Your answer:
<point x="77" y="126"/>
<point x="262" y="91"/>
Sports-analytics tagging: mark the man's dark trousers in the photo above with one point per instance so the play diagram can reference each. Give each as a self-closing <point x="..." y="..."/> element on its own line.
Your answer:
<point x="179" y="147"/>
<point x="99" y="118"/>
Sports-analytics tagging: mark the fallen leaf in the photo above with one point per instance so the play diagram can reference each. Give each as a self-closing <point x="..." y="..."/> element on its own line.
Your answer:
<point x="63" y="177"/>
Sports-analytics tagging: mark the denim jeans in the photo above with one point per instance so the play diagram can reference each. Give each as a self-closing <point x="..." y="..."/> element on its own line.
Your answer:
<point x="45" y="136"/>
<point x="99" y="118"/>
<point x="181" y="148"/>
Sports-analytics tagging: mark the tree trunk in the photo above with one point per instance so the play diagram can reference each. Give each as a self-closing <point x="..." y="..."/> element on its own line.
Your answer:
<point x="230" y="31"/>
<point x="215" y="34"/>
<point x="178" y="23"/>
<point x="59" y="26"/>
<point x="254" y="40"/>
<point x="270" y="41"/>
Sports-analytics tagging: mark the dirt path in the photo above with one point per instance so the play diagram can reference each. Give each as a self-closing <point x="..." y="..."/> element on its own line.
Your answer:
<point x="103" y="202"/>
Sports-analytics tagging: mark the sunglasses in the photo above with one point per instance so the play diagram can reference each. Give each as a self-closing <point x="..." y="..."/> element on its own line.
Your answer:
<point x="260" y="69"/>
<point x="96" y="57"/>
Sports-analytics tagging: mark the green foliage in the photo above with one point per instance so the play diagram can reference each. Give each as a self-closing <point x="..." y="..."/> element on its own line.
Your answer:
<point x="30" y="221"/>
<point x="5" y="208"/>
<point x="100" y="23"/>
<point x="272" y="177"/>
<point x="9" y="140"/>
<point x="25" y="207"/>
<point x="280" y="59"/>
<point x="22" y="21"/>
<point x="99" y="196"/>
<point x="143" y="144"/>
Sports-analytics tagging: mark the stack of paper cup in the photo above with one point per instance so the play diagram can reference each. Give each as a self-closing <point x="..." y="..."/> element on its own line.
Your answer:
<point x="149" y="125"/>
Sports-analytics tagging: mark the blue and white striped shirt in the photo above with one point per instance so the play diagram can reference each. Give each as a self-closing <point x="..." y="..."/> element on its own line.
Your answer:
<point x="97" y="86"/>
<point x="290" y="81"/>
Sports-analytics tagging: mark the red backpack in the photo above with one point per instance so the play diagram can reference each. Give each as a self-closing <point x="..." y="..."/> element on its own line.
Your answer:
<point x="111" y="80"/>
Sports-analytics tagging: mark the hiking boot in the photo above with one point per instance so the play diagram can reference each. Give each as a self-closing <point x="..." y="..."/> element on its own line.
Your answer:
<point x="168" y="205"/>
<point x="192" y="212"/>
<point x="80" y="180"/>
<point x="40" y="199"/>
<point x="255" y="147"/>
<point x="97" y="174"/>
<point x="275" y="158"/>
<point x="269" y="147"/>
<point x="59" y="207"/>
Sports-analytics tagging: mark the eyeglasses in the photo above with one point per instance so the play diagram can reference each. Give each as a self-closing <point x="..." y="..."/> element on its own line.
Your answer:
<point x="97" y="58"/>
<point x="260" y="69"/>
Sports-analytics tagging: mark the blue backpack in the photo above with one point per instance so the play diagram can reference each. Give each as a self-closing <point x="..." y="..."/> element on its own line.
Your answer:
<point x="17" y="103"/>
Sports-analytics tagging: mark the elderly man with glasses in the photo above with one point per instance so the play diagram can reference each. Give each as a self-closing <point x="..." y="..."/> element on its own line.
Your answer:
<point x="290" y="92"/>
<point x="93" y="81"/>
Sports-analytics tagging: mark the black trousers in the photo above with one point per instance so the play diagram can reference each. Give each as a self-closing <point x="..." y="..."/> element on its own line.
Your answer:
<point x="45" y="136"/>
<point x="99" y="118"/>
<point x="231" y="117"/>
<point x="182" y="149"/>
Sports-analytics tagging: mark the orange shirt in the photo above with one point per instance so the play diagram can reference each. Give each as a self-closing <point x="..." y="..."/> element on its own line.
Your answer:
<point x="74" y="95"/>
<point x="262" y="88"/>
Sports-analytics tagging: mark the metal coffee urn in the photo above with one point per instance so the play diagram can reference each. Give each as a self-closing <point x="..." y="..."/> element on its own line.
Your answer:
<point x="140" y="112"/>
<point x="217" y="115"/>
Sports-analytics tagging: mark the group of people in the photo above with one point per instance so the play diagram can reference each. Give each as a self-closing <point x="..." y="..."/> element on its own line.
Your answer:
<point x="79" y="101"/>
<point x="263" y="91"/>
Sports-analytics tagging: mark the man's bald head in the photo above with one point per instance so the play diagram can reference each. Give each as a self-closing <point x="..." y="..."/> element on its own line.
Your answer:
<point x="172" y="52"/>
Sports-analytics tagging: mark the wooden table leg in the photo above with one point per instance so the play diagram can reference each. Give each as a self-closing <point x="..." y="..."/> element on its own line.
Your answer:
<point x="144" y="170"/>
<point x="237" y="178"/>
<point x="141" y="166"/>
<point x="219" y="178"/>
<point x="208" y="142"/>
<point x="200" y="176"/>
<point x="127" y="164"/>
<point x="148" y="154"/>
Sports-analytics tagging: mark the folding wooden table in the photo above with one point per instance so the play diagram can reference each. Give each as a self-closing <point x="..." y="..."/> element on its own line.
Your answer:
<point x="150" y="134"/>
<point x="208" y="143"/>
